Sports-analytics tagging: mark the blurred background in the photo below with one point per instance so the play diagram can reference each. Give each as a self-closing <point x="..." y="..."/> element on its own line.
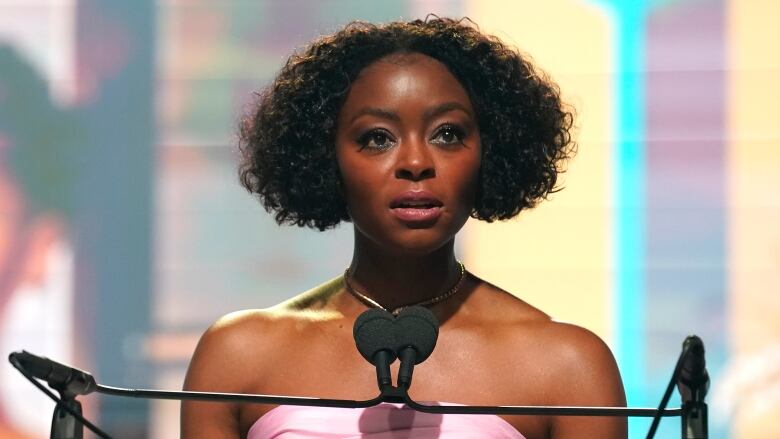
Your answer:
<point x="124" y="232"/>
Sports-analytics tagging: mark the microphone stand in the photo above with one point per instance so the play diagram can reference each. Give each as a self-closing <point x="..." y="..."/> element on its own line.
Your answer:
<point x="64" y="424"/>
<point x="389" y="394"/>
<point x="184" y="395"/>
<point x="68" y="422"/>
<point x="690" y="376"/>
<point x="400" y="395"/>
<point x="694" y="419"/>
<point x="693" y="382"/>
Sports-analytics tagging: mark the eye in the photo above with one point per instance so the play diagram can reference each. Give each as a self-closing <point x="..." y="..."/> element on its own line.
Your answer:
<point x="376" y="139"/>
<point x="448" y="135"/>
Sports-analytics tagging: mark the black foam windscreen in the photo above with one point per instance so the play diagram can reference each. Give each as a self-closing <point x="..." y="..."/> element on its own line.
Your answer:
<point x="36" y="366"/>
<point x="694" y="364"/>
<point x="374" y="331"/>
<point x="416" y="326"/>
<point x="59" y="376"/>
<point x="693" y="370"/>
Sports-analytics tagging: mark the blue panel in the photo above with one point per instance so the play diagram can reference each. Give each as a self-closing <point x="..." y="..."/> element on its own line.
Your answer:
<point x="629" y="198"/>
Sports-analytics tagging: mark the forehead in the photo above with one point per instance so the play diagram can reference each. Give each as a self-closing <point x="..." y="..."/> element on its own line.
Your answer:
<point x="404" y="79"/>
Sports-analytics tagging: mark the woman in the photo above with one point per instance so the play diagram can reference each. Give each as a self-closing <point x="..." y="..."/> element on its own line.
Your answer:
<point x="406" y="130"/>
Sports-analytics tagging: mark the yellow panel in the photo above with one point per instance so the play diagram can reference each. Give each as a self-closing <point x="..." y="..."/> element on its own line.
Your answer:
<point x="558" y="256"/>
<point x="754" y="233"/>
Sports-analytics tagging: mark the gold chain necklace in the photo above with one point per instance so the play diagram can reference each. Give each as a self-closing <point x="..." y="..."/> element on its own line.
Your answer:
<point x="428" y="302"/>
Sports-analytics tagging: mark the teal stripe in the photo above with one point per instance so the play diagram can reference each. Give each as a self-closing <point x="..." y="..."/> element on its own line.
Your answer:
<point x="629" y="170"/>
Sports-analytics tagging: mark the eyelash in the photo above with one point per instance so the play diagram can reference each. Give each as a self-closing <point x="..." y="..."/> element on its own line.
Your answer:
<point x="366" y="138"/>
<point x="457" y="131"/>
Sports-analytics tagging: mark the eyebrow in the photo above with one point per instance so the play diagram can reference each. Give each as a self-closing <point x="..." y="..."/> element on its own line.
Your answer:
<point x="427" y="115"/>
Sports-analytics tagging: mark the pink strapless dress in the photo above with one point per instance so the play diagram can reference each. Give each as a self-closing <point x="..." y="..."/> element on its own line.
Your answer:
<point x="384" y="421"/>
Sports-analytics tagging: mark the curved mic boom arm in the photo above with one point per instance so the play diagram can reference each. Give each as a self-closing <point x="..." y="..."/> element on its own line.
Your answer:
<point x="389" y="393"/>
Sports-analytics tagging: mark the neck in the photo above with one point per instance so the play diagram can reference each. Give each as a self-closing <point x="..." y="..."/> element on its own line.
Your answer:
<point x="396" y="280"/>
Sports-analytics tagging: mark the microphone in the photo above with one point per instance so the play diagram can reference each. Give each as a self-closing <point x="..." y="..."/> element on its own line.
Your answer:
<point x="416" y="333"/>
<point x="693" y="381"/>
<point x="67" y="380"/>
<point x="374" y="335"/>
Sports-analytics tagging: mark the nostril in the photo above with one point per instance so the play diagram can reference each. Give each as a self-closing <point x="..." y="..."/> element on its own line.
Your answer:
<point x="415" y="175"/>
<point x="404" y="174"/>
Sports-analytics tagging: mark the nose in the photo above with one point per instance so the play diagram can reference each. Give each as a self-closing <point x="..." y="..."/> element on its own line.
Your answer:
<point x="415" y="162"/>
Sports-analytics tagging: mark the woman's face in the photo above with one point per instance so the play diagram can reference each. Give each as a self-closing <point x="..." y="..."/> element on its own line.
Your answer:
<point x="409" y="152"/>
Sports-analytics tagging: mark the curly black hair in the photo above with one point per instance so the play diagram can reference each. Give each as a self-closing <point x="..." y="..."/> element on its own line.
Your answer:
<point x="287" y="143"/>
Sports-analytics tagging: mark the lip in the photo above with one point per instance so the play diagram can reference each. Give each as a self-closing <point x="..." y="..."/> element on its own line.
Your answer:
<point x="415" y="197"/>
<point x="416" y="215"/>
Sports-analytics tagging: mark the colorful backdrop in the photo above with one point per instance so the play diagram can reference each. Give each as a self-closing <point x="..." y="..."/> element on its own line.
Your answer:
<point x="124" y="232"/>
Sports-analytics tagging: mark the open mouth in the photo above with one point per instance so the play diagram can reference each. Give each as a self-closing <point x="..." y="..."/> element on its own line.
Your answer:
<point x="416" y="204"/>
<point x="416" y="207"/>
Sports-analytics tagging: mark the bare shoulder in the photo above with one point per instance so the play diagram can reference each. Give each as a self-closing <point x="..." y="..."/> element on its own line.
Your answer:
<point x="222" y="361"/>
<point x="562" y="364"/>
<point x="230" y="347"/>
<point x="560" y="346"/>
<point x="240" y="344"/>
<point x="586" y="369"/>
<point x="235" y="354"/>
<point x="583" y="367"/>
<point x="583" y="372"/>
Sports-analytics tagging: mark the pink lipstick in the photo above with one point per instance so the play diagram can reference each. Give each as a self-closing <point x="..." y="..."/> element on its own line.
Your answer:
<point x="416" y="207"/>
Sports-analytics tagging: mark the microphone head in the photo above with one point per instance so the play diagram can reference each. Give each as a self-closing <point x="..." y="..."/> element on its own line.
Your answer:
<point x="693" y="370"/>
<point x="39" y="367"/>
<point x="374" y="331"/>
<point x="695" y="359"/>
<point x="693" y="381"/>
<point x="416" y="326"/>
<point x="63" y="378"/>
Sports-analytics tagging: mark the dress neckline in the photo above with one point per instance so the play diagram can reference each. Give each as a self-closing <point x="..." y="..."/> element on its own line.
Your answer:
<point x="289" y="419"/>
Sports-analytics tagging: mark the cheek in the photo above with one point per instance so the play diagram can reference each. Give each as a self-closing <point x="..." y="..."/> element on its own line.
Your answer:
<point x="468" y="174"/>
<point x="358" y="184"/>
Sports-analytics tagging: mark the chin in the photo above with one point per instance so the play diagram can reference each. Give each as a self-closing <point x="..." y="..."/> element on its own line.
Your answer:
<point x="419" y="243"/>
<point x="410" y="239"/>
